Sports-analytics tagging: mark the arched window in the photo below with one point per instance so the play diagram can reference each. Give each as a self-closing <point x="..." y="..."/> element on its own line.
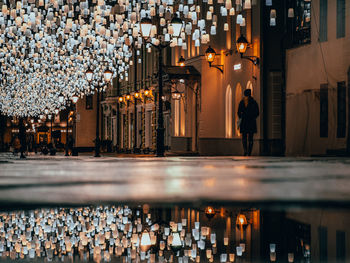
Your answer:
<point x="228" y="112"/>
<point x="250" y="86"/>
<point x="238" y="98"/>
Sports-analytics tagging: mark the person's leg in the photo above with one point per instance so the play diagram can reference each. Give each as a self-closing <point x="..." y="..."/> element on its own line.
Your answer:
<point x="244" y="142"/>
<point x="251" y="142"/>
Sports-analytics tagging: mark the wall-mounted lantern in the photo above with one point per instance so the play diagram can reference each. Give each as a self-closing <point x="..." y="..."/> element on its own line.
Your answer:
<point x="210" y="56"/>
<point x="242" y="45"/>
<point x="120" y="99"/>
<point x="181" y="61"/>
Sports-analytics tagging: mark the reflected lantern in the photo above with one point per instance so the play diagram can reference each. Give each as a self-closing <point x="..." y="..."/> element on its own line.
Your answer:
<point x="181" y="61"/>
<point x="145" y="241"/>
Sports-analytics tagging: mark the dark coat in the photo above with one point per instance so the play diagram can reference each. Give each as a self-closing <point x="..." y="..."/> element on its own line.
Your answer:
<point x="248" y="116"/>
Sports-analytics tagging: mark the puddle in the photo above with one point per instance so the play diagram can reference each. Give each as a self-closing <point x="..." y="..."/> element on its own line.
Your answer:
<point x="144" y="233"/>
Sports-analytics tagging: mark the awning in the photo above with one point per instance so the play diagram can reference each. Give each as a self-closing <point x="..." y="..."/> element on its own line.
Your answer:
<point x="177" y="72"/>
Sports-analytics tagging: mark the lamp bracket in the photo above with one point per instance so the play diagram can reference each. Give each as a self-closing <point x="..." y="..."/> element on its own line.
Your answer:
<point x="219" y="67"/>
<point x="255" y="60"/>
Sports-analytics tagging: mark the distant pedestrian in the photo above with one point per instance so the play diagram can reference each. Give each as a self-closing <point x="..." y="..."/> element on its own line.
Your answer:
<point x="16" y="145"/>
<point x="70" y="144"/>
<point x="22" y="138"/>
<point x="248" y="111"/>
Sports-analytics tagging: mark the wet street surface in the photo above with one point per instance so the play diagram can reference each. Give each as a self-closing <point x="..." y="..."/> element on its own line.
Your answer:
<point x="174" y="209"/>
<point x="87" y="180"/>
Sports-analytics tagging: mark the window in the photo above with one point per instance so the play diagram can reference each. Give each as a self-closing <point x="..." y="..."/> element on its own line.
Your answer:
<point x="228" y="112"/>
<point x="341" y="109"/>
<point x="301" y="23"/>
<point x="179" y="117"/>
<point x="340" y="246"/>
<point x="238" y="98"/>
<point x="322" y="237"/>
<point x="89" y="102"/>
<point x="323" y="20"/>
<point x="340" y="18"/>
<point x="324" y="110"/>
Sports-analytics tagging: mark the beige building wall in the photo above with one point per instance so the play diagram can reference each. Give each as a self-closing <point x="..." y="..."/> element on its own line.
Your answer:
<point x="211" y="114"/>
<point x="307" y="67"/>
<point x="85" y="123"/>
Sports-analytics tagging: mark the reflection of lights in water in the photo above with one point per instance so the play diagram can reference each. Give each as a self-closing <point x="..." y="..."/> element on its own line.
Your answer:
<point x="209" y="182"/>
<point x="104" y="233"/>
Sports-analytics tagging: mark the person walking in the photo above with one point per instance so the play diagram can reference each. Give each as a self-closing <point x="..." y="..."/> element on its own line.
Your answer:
<point x="248" y="111"/>
<point x="22" y="138"/>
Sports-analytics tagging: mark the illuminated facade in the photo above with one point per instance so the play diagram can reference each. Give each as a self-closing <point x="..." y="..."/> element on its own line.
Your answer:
<point x="200" y="102"/>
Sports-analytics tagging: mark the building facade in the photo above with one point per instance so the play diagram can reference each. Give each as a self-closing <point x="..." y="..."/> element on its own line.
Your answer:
<point x="300" y="86"/>
<point x="200" y="102"/>
<point x="317" y="83"/>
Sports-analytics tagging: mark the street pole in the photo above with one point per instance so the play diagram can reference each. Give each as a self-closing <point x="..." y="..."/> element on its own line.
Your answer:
<point x="97" y="139"/>
<point x="51" y="131"/>
<point x="67" y="154"/>
<point x="160" y="128"/>
<point x="135" y="101"/>
<point x="118" y="117"/>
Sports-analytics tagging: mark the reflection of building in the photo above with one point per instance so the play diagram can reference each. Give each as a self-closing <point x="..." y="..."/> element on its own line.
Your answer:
<point x="212" y="234"/>
<point x="124" y="234"/>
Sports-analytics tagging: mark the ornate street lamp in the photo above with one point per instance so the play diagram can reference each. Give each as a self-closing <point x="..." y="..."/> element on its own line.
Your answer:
<point x="210" y="57"/>
<point x="75" y="98"/>
<point x="176" y="23"/>
<point x="108" y="74"/>
<point x="61" y="98"/>
<point x="146" y="28"/>
<point x="242" y="45"/>
<point x="89" y="76"/>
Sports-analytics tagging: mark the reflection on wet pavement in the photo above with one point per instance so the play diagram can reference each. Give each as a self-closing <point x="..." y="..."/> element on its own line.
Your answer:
<point x="173" y="234"/>
<point x="85" y="180"/>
